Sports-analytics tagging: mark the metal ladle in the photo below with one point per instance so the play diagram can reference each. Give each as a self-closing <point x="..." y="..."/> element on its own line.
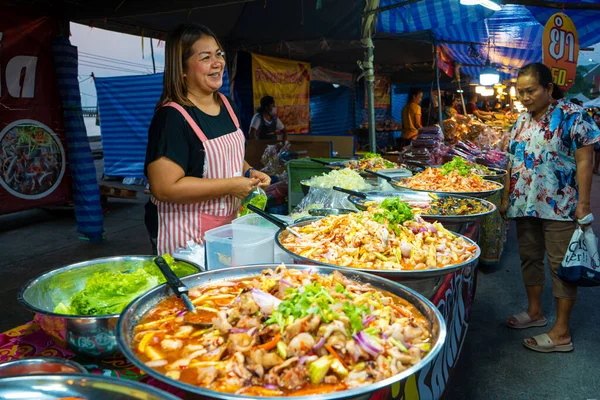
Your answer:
<point x="191" y="317"/>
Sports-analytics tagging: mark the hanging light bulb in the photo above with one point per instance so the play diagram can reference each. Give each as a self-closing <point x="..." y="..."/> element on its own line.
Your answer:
<point x="489" y="76"/>
<point x="513" y="92"/>
<point x="479" y="89"/>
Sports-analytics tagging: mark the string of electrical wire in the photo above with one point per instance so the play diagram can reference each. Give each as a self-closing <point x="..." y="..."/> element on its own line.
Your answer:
<point x="114" y="64"/>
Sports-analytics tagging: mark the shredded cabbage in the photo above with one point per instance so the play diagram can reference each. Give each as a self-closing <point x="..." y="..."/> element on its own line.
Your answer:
<point x="344" y="178"/>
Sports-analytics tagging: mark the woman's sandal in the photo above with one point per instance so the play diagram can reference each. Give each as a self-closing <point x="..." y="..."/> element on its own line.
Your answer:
<point x="524" y="321"/>
<point x="543" y="344"/>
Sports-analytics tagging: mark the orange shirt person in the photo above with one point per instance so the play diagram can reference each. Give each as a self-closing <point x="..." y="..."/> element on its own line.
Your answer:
<point x="411" y="114"/>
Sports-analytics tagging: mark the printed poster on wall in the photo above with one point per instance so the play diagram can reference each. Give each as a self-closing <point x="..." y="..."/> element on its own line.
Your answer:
<point x="560" y="44"/>
<point x="33" y="162"/>
<point x="382" y="92"/>
<point x="288" y="82"/>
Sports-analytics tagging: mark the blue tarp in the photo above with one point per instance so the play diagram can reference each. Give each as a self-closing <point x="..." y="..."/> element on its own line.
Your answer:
<point x="515" y="32"/>
<point x="86" y="194"/>
<point x="126" y="106"/>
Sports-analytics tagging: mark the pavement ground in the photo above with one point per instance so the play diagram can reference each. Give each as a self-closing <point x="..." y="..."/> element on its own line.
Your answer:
<point x="493" y="363"/>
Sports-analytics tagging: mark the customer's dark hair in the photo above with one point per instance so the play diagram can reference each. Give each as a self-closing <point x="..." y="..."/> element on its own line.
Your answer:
<point x="471" y="96"/>
<point x="413" y="92"/>
<point x="544" y="77"/>
<point x="265" y="102"/>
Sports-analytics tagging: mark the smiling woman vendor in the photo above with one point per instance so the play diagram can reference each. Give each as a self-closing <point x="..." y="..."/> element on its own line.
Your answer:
<point x="195" y="155"/>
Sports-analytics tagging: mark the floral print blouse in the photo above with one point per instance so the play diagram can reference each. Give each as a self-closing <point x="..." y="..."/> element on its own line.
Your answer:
<point x="543" y="182"/>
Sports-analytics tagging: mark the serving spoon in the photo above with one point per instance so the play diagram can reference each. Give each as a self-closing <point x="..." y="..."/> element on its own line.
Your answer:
<point x="191" y="317"/>
<point x="274" y="220"/>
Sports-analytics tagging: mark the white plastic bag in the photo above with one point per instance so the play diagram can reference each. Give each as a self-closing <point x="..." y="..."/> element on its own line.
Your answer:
<point x="581" y="265"/>
<point x="193" y="252"/>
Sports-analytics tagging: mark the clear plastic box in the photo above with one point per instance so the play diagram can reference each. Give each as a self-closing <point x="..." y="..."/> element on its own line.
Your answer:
<point x="235" y="244"/>
<point x="259" y="223"/>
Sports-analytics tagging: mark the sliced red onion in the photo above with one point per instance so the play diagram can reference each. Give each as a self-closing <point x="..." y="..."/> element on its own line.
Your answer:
<point x="368" y="344"/>
<point x="432" y="228"/>
<point x="239" y="330"/>
<point x="368" y="319"/>
<point x="384" y="336"/>
<point x="414" y="230"/>
<point x="319" y="344"/>
<point x="180" y="313"/>
<point x="422" y="229"/>
<point x="405" y="249"/>
<point x="408" y="346"/>
<point x="252" y="331"/>
<point x="271" y="387"/>
<point x="302" y="360"/>
<point x="267" y="302"/>
<point x="285" y="282"/>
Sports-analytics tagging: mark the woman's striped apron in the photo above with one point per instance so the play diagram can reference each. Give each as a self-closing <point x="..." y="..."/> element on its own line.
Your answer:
<point x="224" y="158"/>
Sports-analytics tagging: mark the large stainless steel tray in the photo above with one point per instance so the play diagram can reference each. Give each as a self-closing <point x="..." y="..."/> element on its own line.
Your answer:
<point x="136" y="310"/>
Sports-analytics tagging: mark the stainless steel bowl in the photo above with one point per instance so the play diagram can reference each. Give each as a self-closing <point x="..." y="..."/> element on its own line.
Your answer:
<point x="325" y="212"/>
<point x="41" y="365"/>
<point x="425" y="282"/>
<point x="136" y="310"/>
<point x="46" y="387"/>
<point x="397" y="184"/>
<point x="92" y="336"/>
<point x="461" y="224"/>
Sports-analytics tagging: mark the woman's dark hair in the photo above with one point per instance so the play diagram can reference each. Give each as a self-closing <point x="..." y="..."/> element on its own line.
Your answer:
<point x="265" y="102"/>
<point x="544" y="77"/>
<point x="413" y="92"/>
<point x="471" y="96"/>
<point x="449" y="99"/>
<point x="177" y="50"/>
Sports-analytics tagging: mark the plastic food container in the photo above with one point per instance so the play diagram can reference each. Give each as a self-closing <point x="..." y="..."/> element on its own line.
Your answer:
<point x="259" y="223"/>
<point x="235" y="245"/>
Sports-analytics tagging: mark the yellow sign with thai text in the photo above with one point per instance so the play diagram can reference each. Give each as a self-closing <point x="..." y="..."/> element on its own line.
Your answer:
<point x="288" y="82"/>
<point x="561" y="50"/>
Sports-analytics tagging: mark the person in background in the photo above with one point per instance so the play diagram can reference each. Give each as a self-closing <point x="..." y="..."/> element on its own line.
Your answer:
<point x="450" y="109"/>
<point x="411" y="115"/>
<point x="265" y="124"/>
<point x="428" y="113"/>
<point x="195" y="154"/>
<point x="547" y="189"/>
<point x="576" y="101"/>
<point x="597" y="146"/>
<point x="485" y="106"/>
<point x="473" y="109"/>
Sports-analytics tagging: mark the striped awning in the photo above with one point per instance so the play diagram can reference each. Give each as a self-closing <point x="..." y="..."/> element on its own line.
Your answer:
<point x="510" y="38"/>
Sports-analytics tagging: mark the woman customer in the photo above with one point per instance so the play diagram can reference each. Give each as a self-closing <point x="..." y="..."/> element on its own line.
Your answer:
<point x="195" y="154"/>
<point x="411" y="115"/>
<point x="547" y="189"/>
<point x="265" y="124"/>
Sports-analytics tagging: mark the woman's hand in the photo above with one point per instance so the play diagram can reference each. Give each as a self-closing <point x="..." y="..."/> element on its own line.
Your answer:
<point x="264" y="179"/>
<point x="241" y="187"/>
<point x="582" y="211"/>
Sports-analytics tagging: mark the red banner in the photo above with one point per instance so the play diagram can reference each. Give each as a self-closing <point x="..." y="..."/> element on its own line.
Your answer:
<point x="445" y="63"/>
<point x="561" y="50"/>
<point x="33" y="169"/>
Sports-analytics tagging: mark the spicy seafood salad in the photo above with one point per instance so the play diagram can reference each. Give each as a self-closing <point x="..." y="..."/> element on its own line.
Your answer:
<point x="285" y="332"/>
<point x="385" y="237"/>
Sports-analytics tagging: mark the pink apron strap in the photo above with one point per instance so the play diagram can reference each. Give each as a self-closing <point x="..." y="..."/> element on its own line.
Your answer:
<point x="189" y="120"/>
<point x="230" y="110"/>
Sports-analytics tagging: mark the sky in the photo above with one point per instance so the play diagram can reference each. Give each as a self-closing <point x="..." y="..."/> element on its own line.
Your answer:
<point x="107" y="53"/>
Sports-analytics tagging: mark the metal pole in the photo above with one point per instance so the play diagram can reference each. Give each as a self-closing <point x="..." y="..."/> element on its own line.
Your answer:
<point x="152" y="53"/>
<point x="437" y="78"/>
<point x="369" y="76"/>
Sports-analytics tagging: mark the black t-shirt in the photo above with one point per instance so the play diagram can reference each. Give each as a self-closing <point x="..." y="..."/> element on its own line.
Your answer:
<point x="171" y="136"/>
